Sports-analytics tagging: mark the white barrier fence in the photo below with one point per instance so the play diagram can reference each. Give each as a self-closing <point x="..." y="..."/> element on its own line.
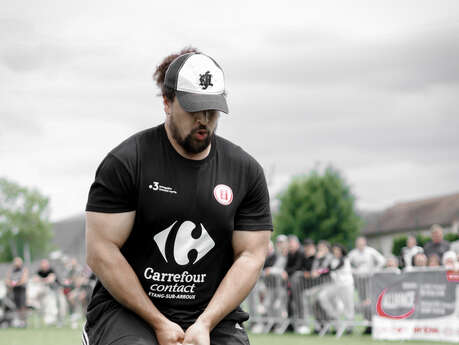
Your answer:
<point x="308" y="304"/>
<point x="46" y="305"/>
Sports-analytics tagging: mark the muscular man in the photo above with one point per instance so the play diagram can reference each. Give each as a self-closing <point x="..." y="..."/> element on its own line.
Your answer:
<point x="178" y="222"/>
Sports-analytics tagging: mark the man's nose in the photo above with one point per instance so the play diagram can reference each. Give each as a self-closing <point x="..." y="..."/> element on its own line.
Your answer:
<point x="202" y="117"/>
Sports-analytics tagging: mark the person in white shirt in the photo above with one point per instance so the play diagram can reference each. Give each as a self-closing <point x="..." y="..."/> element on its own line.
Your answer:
<point x="337" y="298"/>
<point x="410" y="251"/>
<point x="364" y="262"/>
<point x="364" y="259"/>
<point x="391" y="265"/>
<point x="450" y="261"/>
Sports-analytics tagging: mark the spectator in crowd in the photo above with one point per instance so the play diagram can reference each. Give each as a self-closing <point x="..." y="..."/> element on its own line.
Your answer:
<point x="46" y="274"/>
<point x="276" y="279"/>
<point x="70" y="278"/>
<point x="455" y="248"/>
<point x="364" y="261"/>
<point x="409" y="251"/>
<point x="309" y="257"/>
<point x="50" y="284"/>
<point x="420" y="260"/>
<point x="320" y="275"/>
<point x="294" y="264"/>
<point x="257" y="298"/>
<point x="322" y="260"/>
<point x="437" y="245"/>
<point x="392" y="265"/>
<point x="337" y="297"/>
<point x="16" y="281"/>
<point x="450" y="261"/>
<point x="295" y="256"/>
<point x="280" y="262"/>
<point x="75" y="289"/>
<point x="271" y="257"/>
<point x="433" y="260"/>
<point x="299" y="285"/>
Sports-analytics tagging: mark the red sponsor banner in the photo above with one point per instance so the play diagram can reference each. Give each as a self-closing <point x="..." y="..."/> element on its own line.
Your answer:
<point x="452" y="276"/>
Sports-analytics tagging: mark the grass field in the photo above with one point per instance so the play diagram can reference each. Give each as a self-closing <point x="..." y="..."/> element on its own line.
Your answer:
<point x="68" y="336"/>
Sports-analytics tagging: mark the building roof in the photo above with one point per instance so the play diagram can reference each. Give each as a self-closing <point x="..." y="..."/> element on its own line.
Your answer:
<point x="415" y="215"/>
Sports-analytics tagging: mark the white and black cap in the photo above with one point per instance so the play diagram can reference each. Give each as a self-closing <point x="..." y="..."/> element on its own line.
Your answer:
<point x="198" y="81"/>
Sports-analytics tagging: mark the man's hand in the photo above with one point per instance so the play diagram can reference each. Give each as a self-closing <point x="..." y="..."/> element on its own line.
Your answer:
<point x="284" y="275"/>
<point x="197" y="334"/>
<point x="169" y="333"/>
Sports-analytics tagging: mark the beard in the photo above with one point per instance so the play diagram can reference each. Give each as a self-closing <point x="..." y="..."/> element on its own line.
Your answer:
<point x="189" y="144"/>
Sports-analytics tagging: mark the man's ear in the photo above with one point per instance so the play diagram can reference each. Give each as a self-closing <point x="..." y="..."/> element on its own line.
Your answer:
<point x="167" y="105"/>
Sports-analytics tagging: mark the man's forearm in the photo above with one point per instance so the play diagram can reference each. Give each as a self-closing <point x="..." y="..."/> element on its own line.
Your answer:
<point x="233" y="289"/>
<point x="120" y="280"/>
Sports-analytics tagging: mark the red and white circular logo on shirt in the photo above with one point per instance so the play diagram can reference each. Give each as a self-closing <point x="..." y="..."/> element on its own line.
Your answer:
<point x="223" y="194"/>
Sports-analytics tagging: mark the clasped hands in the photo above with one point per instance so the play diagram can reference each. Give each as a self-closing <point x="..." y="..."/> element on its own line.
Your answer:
<point x="171" y="333"/>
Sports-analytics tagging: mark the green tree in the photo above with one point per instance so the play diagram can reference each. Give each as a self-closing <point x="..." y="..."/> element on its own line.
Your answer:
<point x="451" y="237"/>
<point x="397" y="244"/>
<point x="24" y="221"/>
<point x="320" y="207"/>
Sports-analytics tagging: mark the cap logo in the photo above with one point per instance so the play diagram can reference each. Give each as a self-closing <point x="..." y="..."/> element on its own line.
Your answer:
<point x="205" y="80"/>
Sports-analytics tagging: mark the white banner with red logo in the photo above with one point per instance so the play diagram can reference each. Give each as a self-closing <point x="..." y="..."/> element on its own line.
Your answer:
<point x="416" y="305"/>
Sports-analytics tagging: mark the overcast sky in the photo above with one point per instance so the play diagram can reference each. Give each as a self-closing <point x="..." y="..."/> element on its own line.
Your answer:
<point x="371" y="87"/>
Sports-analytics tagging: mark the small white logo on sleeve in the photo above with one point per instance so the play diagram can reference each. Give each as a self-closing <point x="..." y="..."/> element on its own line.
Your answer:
<point x="223" y="194"/>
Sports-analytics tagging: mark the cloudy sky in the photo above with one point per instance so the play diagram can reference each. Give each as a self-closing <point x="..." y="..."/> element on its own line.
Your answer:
<point x="371" y="87"/>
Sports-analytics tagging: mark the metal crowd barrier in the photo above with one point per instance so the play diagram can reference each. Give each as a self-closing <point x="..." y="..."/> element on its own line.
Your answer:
<point x="268" y="304"/>
<point x="308" y="304"/>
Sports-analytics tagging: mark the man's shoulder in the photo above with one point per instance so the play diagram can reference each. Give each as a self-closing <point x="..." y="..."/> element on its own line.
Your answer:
<point x="235" y="153"/>
<point x="372" y="251"/>
<point x="353" y="252"/>
<point x="446" y="243"/>
<point x="128" y="149"/>
<point x="428" y="245"/>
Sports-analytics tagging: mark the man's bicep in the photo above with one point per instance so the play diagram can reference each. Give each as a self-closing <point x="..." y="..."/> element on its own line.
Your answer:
<point x="110" y="228"/>
<point x="254" y="243"/>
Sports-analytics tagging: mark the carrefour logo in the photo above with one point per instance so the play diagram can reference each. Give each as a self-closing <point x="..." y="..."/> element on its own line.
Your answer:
<point x="191" y="243"/>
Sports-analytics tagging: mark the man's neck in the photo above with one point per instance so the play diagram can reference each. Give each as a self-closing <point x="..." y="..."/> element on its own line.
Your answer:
<point x="182" y="152"/>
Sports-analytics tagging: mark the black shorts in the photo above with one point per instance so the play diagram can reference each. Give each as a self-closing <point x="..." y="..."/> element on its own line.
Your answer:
<point x="119" y="326"/>
<point x="19" y="296"/>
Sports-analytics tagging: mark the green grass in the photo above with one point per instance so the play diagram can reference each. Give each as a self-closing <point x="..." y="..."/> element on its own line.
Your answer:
<point x="68" y="336"/>
<point x="40" y="336"/>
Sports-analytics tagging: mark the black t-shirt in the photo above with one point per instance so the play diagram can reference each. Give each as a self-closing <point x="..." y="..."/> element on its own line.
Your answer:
<point x="294" y="261"/>
<point x="45" y="273"/>
<point x="270" y="260"/>
<point x="186" y="210"/>
<point x="438" y="248"/>
<point x="308" y="262"/>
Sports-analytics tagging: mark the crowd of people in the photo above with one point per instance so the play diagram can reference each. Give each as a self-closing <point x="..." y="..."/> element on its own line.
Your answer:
<point x="327" y="272"/>
<point x="325" y="282"/>
<point x="57" y="294"/>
